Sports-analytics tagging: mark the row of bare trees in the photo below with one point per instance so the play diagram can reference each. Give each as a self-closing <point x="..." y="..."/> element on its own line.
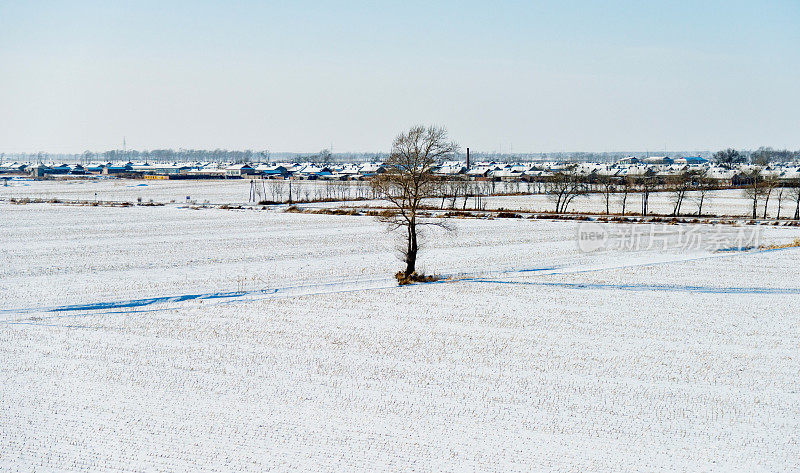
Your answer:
<point x="760" y="188"/>
<point x="278" y="190"/>
<point x="564" y="187"/>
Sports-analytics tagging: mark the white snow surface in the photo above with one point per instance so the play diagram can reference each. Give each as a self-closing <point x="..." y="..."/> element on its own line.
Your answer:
<point x="535" y="358"/>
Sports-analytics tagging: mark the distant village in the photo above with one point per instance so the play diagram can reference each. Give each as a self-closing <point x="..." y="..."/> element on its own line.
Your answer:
<point x="629" y="167"/>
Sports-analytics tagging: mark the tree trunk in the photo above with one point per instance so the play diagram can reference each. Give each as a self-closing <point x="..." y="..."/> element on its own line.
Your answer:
<point x="644" y="203"/>
<point x="797" y="208"/>
<point x="624" y="201"/>
<point x="700" y="207"/>
<point x="411" y="250"/>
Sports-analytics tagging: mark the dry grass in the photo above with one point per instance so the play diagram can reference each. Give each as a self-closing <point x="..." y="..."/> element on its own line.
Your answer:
<point x="414" y="278"/>
<point x="793" y="244"/>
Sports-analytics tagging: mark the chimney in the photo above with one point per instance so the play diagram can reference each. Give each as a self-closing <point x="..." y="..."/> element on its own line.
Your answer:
<point x="467" y="159"/>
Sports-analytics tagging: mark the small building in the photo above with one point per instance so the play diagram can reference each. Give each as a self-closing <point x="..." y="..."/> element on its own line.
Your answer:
<point x="12" y="168"/>
<point x="239" y="170"/>
<point x="95" y="168"/>
<point x="112" y="169"/>
<point x="59" y="170"/>
<point x="506" y="175"/>
<point x="691" y="161"/>
<point x="369" y="169"/>
<point x="450" y="169"/>
<point x="657" y="160"/>
<point x="479" y="172"/>
<point x="38" y="171"/>
<point x="312" y="172"/>
<point x="273" y="172"/>
<point x="628" y="161"/>
<point x="77" y="170"/>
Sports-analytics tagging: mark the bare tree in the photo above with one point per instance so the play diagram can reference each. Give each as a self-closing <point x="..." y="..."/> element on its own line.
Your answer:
<point x="324" y="156"/>
<point x="769" y="184"/>
<point x="441" y="191"/>
<point x="564" y="187"/>
<point x="795" y="194"/>
<point x="408" y="180"/>
<point x="680" y="185"/>
<point x="704" y="186"/>
<point x="467" y="189"/>
<point x="762" y="156"/>
<point x="781" y="193"/>
<point x="453" y="189"/>
<point x="728" y="157"/>
<point x="626" y="184"/>
<point x="647" y="183"/>
<point x="755" y="187"/>
<point x="607" y="187"/>
<point x="276" y="189"/>
<point x="295" y="192"/>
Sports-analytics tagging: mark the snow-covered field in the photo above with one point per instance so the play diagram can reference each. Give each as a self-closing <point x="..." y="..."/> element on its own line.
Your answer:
<point x="171" y="339"/>
<point x="229" y="191"/>
<point x="237" y="192"/>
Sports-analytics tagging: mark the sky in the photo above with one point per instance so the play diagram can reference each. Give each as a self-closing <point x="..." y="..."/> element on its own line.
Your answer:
<point x="301" y="76"/>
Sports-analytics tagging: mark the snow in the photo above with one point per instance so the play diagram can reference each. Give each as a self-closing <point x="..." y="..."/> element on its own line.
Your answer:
<point x="538" y="357"/>
<point x="229" y="191"/>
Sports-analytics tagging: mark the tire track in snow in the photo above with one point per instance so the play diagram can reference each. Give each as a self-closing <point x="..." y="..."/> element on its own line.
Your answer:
<point x="359" y="284"/>
<point x="649" y="287"/>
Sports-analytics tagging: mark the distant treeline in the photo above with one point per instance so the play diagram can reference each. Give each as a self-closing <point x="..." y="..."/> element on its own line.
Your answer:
<point x="762" y="154"/>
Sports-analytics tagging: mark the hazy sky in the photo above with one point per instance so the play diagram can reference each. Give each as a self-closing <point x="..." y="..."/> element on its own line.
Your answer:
<point x="300" y="76"/>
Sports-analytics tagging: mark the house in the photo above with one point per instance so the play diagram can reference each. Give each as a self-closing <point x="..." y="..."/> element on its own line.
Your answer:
<point x="77" y="170"/>
<point x="722" y="175"/>
<point x="638" y="170"/>
<point x="506" y="175"/>
<point x="450" y="169"/>
<point x="349" y="172"/>
<point x="479" y="172"/>
<point x="270" y="171"/>
<point x="691" y="160"/>
<point x="672" y="170"/>
<point x="60" y="169"/>
<point x="370" y="169"/>
<point x="657" y="160"/>
<point x="628" y="161"/>
<point x="607" y="171"/>
<point x="207" y="171"/>
<point x="239" y="170"/>
<point x="790" y="174"/>
<point x="12" y="168"/>
<point x="39" y="170"/>
<point x="160" y="169"/>
<point x="95" y="168"/>
<point x="112" y="169"/>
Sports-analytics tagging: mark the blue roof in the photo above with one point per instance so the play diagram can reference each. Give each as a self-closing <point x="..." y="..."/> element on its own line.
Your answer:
<point x="695" y="159"/>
